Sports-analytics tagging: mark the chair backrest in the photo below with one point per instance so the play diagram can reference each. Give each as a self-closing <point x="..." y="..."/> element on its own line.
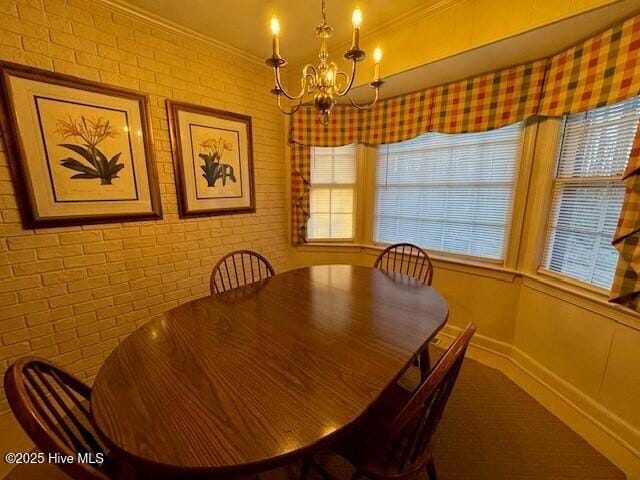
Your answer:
<point x="411" y="436"/>
<point x="239" y="268"/>
<point x="52" y="406"/>
<point x="408" y="259"/>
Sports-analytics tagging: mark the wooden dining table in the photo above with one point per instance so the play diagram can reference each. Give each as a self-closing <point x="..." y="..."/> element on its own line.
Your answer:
<point x="264" y="374"/>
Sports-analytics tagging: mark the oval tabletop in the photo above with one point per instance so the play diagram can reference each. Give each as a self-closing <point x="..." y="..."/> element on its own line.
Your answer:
<point x="257" y="374"/>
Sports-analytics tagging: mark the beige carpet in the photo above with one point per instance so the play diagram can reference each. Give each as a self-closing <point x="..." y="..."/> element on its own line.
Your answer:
<point x="491" y="430"/>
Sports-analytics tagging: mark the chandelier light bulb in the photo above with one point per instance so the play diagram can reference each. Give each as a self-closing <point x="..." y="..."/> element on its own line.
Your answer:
<point x="356" y="17"/>
<point x="275" y="25"/>
<point x="377" y="55"/>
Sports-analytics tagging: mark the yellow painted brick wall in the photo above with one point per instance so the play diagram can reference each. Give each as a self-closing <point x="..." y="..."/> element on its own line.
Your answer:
<point x="71" y="294"/>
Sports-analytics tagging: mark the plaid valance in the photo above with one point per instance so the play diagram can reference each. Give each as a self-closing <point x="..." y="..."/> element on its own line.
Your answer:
<point x="343" y="127"/>
<point x="602" y="70"/>
<point x="488" y="101"/>
<point x="484" y="102"/>
<point x="396" y="119"/>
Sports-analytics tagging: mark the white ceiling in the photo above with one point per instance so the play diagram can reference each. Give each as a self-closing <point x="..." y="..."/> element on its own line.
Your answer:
<point x="244" y="24"/>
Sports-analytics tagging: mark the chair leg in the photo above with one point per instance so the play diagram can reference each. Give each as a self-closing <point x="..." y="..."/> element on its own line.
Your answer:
<point x="304" y="471"/>
<point x="425" y="363"/>
<point x="431" y="470"/>
<point x="308" y="464"/>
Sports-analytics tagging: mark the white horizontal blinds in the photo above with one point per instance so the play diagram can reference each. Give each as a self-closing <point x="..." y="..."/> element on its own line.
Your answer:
<point x="588" y="192"/>
<point x="451" y="193"/>
<point x="333" y="178"/>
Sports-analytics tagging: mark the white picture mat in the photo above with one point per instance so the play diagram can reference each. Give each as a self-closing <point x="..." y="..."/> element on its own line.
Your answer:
<point x="229" y="189"/>
<point x="23" y="92"/>
<point x="184" y="119"/>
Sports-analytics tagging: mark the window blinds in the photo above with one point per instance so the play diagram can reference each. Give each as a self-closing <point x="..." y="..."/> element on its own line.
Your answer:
<point x="588" y="192"/>
<point x="451" y="193"/>
<point x="333" y="178"/>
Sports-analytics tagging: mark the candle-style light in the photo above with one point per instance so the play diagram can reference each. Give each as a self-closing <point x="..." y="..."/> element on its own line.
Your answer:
<point x="324" y="81"/>
<point x="356" y="19"/>
<point x="275" y="32"/>
<point x="377" y="56"/>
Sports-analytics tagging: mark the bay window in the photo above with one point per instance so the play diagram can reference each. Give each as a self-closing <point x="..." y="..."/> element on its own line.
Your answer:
<point x="332" y="196"/>
<point x="448" y="193"/>
<point x="588" y="192"/>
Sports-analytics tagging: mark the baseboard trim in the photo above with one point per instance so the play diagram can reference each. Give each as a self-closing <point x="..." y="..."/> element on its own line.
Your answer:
<point x="604" y="430"/>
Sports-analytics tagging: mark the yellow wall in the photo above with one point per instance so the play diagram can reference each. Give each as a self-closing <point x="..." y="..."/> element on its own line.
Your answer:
<point x="71" y="294"/>
<point x="455" y="26"/>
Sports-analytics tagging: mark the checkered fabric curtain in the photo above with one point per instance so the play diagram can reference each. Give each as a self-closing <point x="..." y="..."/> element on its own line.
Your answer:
<point x="343" y="127"/>
<point x="481" y="103"/>
<point x="603" y="70"/>
<point x="396" y="119"/>
<point x="626" y="283"/>
<point x="393" y="120"/>
<point x="488" y="101"/>
<point x="300" y="181"/>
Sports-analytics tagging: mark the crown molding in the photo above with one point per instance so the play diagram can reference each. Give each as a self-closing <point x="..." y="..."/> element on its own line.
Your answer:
<point x="156" y="21"/>
<point x="410" y="17"/>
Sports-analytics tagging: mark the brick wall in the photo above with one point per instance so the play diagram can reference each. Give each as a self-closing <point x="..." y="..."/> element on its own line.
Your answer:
<point x="71" y="294"/>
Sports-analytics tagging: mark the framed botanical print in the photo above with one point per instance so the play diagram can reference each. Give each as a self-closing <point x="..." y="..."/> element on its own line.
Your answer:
<point x="80" y="152"/>
<point x="213" y="157"/>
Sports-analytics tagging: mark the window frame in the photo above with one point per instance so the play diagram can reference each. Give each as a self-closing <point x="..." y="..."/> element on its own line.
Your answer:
<point x="547" y="156"/>
<point x="515" y="219"/>
<point x="540" y="199"/>
<point x="356" y="187"/>
<point x="547" y="230"/>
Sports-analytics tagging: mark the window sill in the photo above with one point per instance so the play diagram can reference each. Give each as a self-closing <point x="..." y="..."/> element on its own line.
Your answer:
<point x="460" y="263"/>
<point x="572" y="283"/>
<point x="330" y="241"/>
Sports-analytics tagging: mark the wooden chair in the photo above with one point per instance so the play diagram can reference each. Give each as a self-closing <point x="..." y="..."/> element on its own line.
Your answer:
<point x="417" y="265"/>
<point x="239" y="268"/>
<point x="52" y="406"/>
<point x="413" y="261"/>
<point x="395" y="439"/>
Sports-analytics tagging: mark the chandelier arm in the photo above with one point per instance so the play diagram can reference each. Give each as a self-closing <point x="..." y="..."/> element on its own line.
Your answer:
<point x="368" y="105"/>
<point x="293" y="110"/>
<point x="276" y="73"/>
<point x="310" y="75"/>
<point x="350" y="80"/>
<point x="303" y="82"/>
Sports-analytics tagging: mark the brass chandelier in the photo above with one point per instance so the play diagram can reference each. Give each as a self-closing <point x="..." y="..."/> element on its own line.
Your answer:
<point x="324" y="81"/>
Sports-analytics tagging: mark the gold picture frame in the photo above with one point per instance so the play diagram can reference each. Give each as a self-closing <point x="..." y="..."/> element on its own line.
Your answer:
<point x="213" y="158"/>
